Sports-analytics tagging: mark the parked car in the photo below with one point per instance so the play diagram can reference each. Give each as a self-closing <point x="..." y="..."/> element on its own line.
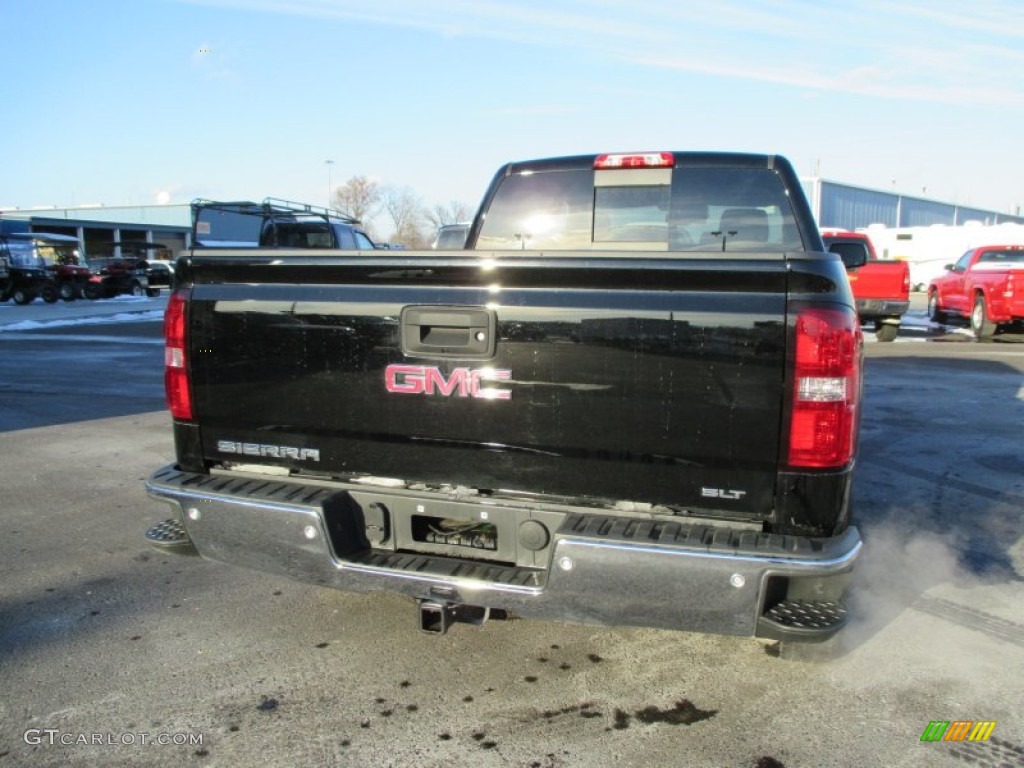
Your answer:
<point x="160" y="273"/>
<point x="880" y="288"/>
<point x="450" y="237"/>
<point x="985" y="288"/>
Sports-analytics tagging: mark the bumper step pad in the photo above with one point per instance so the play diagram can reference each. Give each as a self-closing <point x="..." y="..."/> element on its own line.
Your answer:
<point x="804" y="619"/>
<point x="811" y="614"/>
<point x="170" y="536"/>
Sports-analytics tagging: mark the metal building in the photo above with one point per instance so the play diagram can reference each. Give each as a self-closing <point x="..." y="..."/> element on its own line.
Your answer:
<point x="102" y="230"/>
<point x="843" y="206"/>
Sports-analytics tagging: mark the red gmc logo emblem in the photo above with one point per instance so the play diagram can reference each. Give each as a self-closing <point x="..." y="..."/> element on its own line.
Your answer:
<point x="461" y="382"/>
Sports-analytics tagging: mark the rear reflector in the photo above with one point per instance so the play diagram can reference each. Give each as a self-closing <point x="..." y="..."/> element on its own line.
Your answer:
<point x="176" y="385"/>
<point x="826" y="390"/>
<point x="638" y="160"/>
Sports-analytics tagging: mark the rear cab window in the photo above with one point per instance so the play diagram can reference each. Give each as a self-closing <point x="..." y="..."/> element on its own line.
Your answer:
<point x="685" y="208"/>
<point x="1010" y="257"/>
<point x="850" y="251"/>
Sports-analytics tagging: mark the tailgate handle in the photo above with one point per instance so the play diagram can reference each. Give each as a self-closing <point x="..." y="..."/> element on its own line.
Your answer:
<point x="448" y="332"/>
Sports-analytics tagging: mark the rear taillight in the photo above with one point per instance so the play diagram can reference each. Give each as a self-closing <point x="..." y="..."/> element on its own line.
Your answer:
<point x="179" y="396"/>
<point x="635" y="160"/>
<point x="826" y="389"/>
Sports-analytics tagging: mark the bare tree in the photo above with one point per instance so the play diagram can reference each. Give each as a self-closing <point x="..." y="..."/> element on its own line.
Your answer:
<point x="405" y="210"/>
<point x="454" y="213"/>
<point x="359" y="197"/>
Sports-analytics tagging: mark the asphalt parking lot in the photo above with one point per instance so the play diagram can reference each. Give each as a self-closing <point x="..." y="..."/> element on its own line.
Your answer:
<point x="108" y="648"/>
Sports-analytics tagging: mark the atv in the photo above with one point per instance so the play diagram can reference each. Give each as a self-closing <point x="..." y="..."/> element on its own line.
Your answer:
<point x="118" y="275"/>
<point x="27" y="275"/>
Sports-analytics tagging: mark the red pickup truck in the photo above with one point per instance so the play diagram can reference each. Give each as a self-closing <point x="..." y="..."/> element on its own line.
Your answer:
<point x="880" y="288"/>
<point x="986" y="286"/>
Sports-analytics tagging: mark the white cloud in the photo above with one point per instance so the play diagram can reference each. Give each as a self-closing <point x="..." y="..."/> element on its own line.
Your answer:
<point x="941" y="51"/>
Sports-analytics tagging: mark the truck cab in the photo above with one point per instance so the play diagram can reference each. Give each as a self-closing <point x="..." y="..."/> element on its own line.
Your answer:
<point x="880" y="288"/>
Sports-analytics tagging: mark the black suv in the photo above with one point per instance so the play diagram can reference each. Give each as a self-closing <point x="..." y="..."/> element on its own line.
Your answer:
<point x="275" y="223"/>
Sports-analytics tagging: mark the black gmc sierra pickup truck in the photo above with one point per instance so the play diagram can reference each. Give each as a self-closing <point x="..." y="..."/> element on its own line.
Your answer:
<point x="632" y="399"/>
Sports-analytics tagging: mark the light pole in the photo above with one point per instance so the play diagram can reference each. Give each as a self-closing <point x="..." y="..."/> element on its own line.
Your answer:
<point x="328" y="163"/>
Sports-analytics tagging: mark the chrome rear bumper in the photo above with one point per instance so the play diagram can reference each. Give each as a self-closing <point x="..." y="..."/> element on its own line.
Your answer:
<point x="573" y="564"/>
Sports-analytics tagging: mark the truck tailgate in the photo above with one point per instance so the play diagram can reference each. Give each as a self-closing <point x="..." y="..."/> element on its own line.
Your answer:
<point x="646" y="380"/>
<point x="881" y="281"/>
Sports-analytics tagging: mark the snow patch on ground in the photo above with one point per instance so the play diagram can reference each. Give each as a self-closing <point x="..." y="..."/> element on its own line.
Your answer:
<point x="121" y="317"/>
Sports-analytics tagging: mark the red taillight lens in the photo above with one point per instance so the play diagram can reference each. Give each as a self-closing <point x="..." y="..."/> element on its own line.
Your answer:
<point x="826" y="389"/>
<point x="635" y="160"/>
<point x="176" y="385"/>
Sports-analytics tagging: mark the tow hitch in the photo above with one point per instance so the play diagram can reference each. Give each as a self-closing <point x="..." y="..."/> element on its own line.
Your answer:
<point x="435" y="617"/>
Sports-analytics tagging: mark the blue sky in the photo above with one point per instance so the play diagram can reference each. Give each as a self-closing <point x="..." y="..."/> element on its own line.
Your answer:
<point x="167" y="100"/>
